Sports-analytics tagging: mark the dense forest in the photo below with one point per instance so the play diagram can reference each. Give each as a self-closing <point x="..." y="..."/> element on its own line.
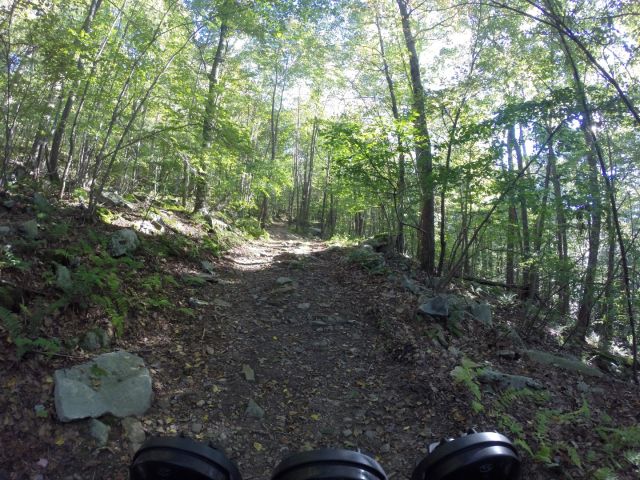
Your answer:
<point x="493" y="140"/>
<point x="487" y="144"/>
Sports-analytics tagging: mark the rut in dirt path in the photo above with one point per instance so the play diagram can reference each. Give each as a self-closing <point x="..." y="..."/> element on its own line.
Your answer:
<point x="291" y="333"/>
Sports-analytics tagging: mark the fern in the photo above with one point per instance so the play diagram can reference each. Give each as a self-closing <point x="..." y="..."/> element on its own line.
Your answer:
<point x="24" y="344"/>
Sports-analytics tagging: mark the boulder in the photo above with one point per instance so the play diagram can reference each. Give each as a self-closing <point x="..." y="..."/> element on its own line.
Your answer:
<point x="123" y="242"/>
<point x="411" y="285"/>
<point x="504" y="380"/>
<point x="564" y="363"/>
<point x="147" y="227"/>
<point x="437" y="306"/>
<point x="115" y="200"/>
<point x="481" y="312"/>
<point x="29" y="229"/>
<point x="117" y="383"/>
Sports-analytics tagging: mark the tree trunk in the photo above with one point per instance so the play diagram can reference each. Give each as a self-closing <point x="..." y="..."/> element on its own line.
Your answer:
<point x="208" y="123"/>
<point x="401" y="186"/>
<point x="562" y="278"/>
<point x="539" y="229"/>
<point x="424" y="158"/>
<point x="303" y="215"/>
<point x="61" y="125"/>
<point x="524" y="215"/>
<point x="510" y="273"/>
<point x="593" y="205"/>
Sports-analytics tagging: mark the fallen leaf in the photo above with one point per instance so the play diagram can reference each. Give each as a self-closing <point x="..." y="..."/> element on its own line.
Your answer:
<point x="257" y="446"/>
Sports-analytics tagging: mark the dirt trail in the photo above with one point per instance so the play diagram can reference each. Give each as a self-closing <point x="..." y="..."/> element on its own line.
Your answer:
<point x="322" y="373"/>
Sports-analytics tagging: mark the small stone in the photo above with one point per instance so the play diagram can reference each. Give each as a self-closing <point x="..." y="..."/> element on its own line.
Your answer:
<point x="200" y="403"/>
<point x="134" y="431"/>
<point x="99" y="431"/>
<point x="284" y="280"/>
<point x="248" y="372"/>
<point x="4" y="230"/>
<point x="90" y="341"/>
<point x="304" y="306"/>
<point x="455" y="352"/>
<point x="347" y="432"/>
<point x="322" y="344"/>
<point x="41" y="411"/>
<point x="164" y="402"/>
<point x="221" y="303"/>
<point x="254" y="410"/>
<point x="370" y="434"/>
<point x="208" y="267"/>
<point x="508" y="354"/>
<point x="196" y="427"/>
<point x="195" y="303"/>
<point x="63" y="278"/>
<point x="386" y="448"/>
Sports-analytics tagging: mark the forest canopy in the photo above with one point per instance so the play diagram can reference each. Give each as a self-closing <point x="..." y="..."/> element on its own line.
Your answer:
<point x="495" y="140"/>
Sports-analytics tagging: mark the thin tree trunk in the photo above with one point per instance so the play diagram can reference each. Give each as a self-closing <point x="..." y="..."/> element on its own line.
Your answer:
<point x="524" y="215"/>
<point x="208" y="123"/>
<point x="62" y="121"/>
<point x="599" y="161"/>
<point x="401" y="186"/>
<point x="539" y="229"/>
<point x="424" y="158"/>
<point x="510" y="278"/>
<point x="594" y="204"/>
<point x="307" y="187"/>
<point x="562" y="278"/>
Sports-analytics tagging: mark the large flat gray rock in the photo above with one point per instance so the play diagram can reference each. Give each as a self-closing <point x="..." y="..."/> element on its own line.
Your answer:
<point x="505" y="380"/>
<point x="117" y="383"/>
<point x="564" y="363"/>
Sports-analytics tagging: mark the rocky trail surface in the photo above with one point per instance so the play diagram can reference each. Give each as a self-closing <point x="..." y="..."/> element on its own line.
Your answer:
<point x="287" y="357"/>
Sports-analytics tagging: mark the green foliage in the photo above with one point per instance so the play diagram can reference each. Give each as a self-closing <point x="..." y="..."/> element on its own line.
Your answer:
<point x="8" y="259"/>
<point x="251" y="227"/>
<point x="604" y="473"/>
<point x="106" y="215"/>
<point x="98" y="282"/>
<point x="152" y="282"/>
<point x="368" y="259"/>
<point x="14" y="327"/>
<point x="467" y="374"/>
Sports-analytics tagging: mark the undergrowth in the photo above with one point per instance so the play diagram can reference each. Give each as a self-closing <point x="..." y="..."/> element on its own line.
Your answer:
<point x="541" y="437"/>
